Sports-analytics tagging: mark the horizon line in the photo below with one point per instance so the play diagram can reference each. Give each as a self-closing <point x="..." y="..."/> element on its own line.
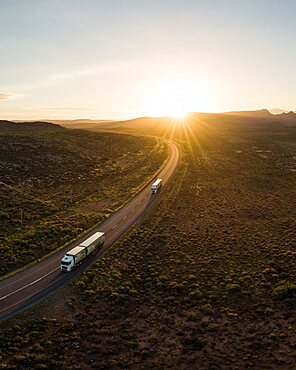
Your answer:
<point x="271" y="111"/>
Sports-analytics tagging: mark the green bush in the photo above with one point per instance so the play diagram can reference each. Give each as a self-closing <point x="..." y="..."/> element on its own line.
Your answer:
<point x="285" y="290"/>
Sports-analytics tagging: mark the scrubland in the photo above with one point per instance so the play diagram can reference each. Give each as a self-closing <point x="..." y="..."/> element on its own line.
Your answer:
<point x="57" y="183"/>
<point x="205" y="281"/>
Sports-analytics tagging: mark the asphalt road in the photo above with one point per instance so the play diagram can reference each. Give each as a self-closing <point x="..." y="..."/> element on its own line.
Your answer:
<point x="33" y="284"/>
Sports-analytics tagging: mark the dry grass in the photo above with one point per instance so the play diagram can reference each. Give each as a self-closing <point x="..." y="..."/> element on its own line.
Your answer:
<point x="61" y="182"/>
<point x="206" y="281"/>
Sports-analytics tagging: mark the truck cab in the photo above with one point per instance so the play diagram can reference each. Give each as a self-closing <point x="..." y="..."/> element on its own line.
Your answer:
<point x="67" y="263"/>
<point x="78" y="254"/>
<point x="156" y="186"/>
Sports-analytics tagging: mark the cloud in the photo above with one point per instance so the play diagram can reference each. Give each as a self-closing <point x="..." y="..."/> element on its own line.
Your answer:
<point x="4" y="96"/>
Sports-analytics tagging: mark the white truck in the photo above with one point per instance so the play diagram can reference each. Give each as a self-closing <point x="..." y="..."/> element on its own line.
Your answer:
<point x="156" y="186"/>
<point x="76" y="255"/>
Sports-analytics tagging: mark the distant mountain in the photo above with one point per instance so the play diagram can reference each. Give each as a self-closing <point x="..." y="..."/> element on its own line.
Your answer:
<point x="142" y="124"/>
<point x="81" y="123"/>
<point x="163" y="125"/>
<point x="157" y="125"/>
<point x="262" y="113"/>
<point x="287" y="118"/>
<point x="287" y="115"/>
<point x="278" y="111"/>
<point x="10" y="126"/>
<point x="78" y="121"/>
<point x="262" y="116"/>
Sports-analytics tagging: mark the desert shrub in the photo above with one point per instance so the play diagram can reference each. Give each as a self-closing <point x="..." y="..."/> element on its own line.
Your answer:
<point x="285" y="290"/>
<point x="49" y="201"/>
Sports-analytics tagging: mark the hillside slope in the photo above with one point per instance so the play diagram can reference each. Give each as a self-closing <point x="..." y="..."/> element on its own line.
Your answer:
<point x="10" y="126"/>
<point x="170" y="126"/>
<point x="55" y="183"/>
<point x="206" y="281"/>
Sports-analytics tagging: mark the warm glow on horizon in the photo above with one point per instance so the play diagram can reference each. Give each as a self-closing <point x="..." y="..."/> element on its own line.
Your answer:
<point x="180" y="115"/>
<point x="194" y="56"/>
<point x="175" y="97"/>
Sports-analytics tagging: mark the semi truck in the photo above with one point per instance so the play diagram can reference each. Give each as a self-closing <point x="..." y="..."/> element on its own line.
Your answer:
<point x="156" y="186"/>
<point x="78" y="254"/>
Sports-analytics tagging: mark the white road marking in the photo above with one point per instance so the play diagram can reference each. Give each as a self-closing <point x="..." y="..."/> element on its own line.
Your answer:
<point x="114" y="226"/>
<point x="15" y="304"/>
<point x="55" y="281"/>
<point x="15" y="281"/>
<point x="124" y="217"/>
<point x="36" y="281"/>
<point x="26" y="286"/>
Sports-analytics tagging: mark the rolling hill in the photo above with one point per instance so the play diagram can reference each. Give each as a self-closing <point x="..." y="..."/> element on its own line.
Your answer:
<point x="164" y="125"/>
<point x="10" y="126"/>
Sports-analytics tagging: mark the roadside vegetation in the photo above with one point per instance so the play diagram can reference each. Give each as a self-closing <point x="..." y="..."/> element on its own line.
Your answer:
<point x="57" y="183"/>
<point x="206" y="281"/>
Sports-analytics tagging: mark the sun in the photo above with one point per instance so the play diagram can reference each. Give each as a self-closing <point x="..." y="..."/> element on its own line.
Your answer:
<point x="180" y="114"/>
<point x="174" y="97"/>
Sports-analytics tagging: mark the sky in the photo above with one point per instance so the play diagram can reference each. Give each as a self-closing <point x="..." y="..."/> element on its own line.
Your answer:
<point x="119" y="59"/>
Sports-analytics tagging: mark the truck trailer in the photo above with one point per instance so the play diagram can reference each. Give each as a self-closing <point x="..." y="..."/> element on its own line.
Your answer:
<point x="156" y="186"/>
<point x="78" y="254"/>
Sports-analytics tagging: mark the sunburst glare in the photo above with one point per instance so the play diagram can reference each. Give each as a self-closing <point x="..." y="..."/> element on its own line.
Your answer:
<point x="175" y="97"/>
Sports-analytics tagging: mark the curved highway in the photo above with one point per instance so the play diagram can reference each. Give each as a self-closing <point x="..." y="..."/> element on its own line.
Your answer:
<point x="31" y="285"/>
